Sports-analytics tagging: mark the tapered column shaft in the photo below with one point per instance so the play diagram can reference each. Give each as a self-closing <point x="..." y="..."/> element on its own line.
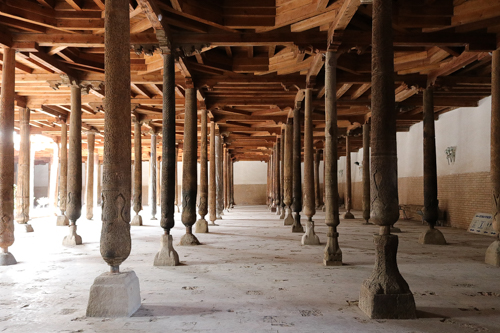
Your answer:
<point x="317" y="186"/>
<point x="277" y="174"/>
<point x="282" y="169"/>
<point x="495" y="138"/>
<point x="169" y="149"/>
<point x="189" y="161"/>
<point x="224" y="162"/>
<point x="309" y="199"/>
<point x="137" y="192"/>
<point x="23" y="169"/>
<point x="74" y="203"/>
<point x="176" y="201"/>
<point x="7" y="152"/>
<point x="231" y="197"/>
<point x="116" y="187"/>
<point x="213" y="181"/>
<point x="203" y="209"/>
<point x="152" y="176"/>
<point x="63" y="174"/>
<point x="158" y="181"/>
<point x="366" y="172"/>
<point x="288" y="174"/>
<point x="89" y="202"/>
<point x="348" y="181"/>
<point x="219" y="176"/>
<point x="430" y="168"/>
<point x="297" y="159"/>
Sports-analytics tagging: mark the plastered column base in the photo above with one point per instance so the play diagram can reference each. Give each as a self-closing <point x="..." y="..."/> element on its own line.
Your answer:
<point x="136" y="220"/>
<point x="114" y="295"/>
<point x="26" y="227"/>
<point x="201" y="226"/>
<point x="310" y="238"/>
<point x="72" y="239"/>
<point x="386" y="295"/>
<point x="278" y="210"/>
<point x="432" y="237"/>
<point x="288" y="217"/>
<point x="62" y="220"/>
<point x="348" y="216"/>
<point x="493" y="254"/>
<point x="189" y="239"/>
<point x="333" y="254"/>
<point x="7" y="259"/>
<point x="167" y="256"/>
<point x="282" y="211"/>
<point x="297" y="226"/>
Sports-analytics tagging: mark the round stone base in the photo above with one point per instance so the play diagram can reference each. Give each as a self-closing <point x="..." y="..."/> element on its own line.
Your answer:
<point x="332" y="262"/>
<point x="137" y="220"/>
<point x="72" y="239"/>
<point x="348" y="216"/>
<point x="432" y="237"/>
<point x="201" y="226"/>
<point x="114" y="295"/>
<point x="62" y="220"/>
<point x="7" y="259"/>
<point x="493" y="254"/>
<point x="189" y="239"/>
<point x="167" y="256"/>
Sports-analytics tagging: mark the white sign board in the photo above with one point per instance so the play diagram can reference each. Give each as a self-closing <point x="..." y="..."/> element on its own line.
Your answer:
<point x="482" y="223"/>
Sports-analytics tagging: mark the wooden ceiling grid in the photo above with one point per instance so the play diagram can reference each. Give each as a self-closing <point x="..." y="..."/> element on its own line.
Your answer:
<point x="249" y="60"/>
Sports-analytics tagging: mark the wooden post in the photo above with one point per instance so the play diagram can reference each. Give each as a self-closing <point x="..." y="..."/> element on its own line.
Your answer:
<point x="23" y="172"/>
<point x="202" y="225"/>
<point x="348" y="179"/>
<point x="297" y="179"/>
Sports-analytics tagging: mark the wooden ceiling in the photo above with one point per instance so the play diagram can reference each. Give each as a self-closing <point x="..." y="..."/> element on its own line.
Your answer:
<point x="250" y="60"/>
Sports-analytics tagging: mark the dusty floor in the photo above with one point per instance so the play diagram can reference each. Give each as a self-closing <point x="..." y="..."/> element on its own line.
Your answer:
<point x="250" y="275"/>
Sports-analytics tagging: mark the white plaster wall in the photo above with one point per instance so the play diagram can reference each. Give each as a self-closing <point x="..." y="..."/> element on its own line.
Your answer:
<point x="466" y="128"/>
<point x="250" y="172"/>
<point x="41" y="175"/>
<point x="356" y="170"/>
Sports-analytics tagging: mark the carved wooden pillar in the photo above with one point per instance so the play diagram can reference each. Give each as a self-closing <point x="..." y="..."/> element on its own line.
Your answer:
<point x="272" y="181"/>
<point x="23" y="172"/>
<point x="137" y="191"/>
<point x="89" y="202"/>
<point x="189" y="166"/>
<point x="224" y="175"/>
<point x="212" y="196"/>
<point x="231" y="196"/>
<point x="7" y="157"/>
<point x="202" y="224"/>
<point x="385" y="295"/>
<point x="277" y="176"/>
<point x="219" y="176"/>
<point x="116" y="192"/>
<point x="282" y="174"/>
<point x="332" y="253"/>
<point x="317" y="185"/>
<point x="288" y="175"/>
<point x="310" y="237"/>
<point x="366" y="173"/>
<point x="348" y="179"/>
<point x="74" y="203"/>
<point x="268" y="183"/>
<point x="167" y="256"/>
<point x="63" y="176"/>
<point x="493" y="251"/>
<point x="176" y="201"/>
<point x="297" y="178"/>
<point x="158" y="183"/>
<point x="152" y="176"/>
<point x="432" y="235"/>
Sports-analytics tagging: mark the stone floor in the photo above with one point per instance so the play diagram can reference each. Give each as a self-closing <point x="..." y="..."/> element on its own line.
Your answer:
<point x="250" y="275"/>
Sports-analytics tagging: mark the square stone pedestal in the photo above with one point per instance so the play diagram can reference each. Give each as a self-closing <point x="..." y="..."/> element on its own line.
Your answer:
<point x="114" y="295"/>
<point x="387" y="306"/>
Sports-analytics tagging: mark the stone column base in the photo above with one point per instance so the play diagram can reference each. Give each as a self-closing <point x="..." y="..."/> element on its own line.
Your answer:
<point x="167" y="256"/>
<point x="432" y="236"/>
<point x="493" y="254"/>
<point x="348" y="216"/>
<point x="395" y="230"/>
<point x="7" y="259"/>
<point x="333" y="253"/>
<point x="201" y="226"/>
<point x="288" y="217"/>
<point x="282" y="211"/>
<point x="62" y="220"/>
<point x="273" y="209"/>
<point x="114" y="295"/>
<point x="189" y="239"/>
<point x="387" y="306"/>
<point x="297" y="226"/>
<point x="26" y="227"/>
<point x="136" y="220"/>
<point x="72" y="239"/>
<point x="310" y="238"/>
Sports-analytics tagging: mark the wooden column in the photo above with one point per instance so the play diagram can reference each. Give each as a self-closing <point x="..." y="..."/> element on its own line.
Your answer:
<point x="54" y="170"/>
<point x="348" y="179"/>
<point x="62" y="219"/>
<point x="297" y="178"/>
<point x="224" y="175"/>
<point x="189" y="166"/>
<point x="493" y="251"/>
<point x="152" y="176"/>
<point x="310" y="237"/>
<point x="202" y="224"/>
<point x="167" y="256"/>
<point x="74" y="202"/>
<point x="212" y="196"/>
<point x="288" y="175"/>
<point x="89" y="202"/>
<point x="231" y="196"/>
<point x="268" y="183"/>
<point x="432" y="235"/>
<point x="176" y="201"/>
<point x="385" y="295"/>
<point x="7" y="157"/>
<point x="277" y="175"/>
<point x="219" y="176"/>
<point x="137" y="187"/>
<point x="282" y="174"/>
<point x="23" y="172"/>
<point x="317" y="185"/>
<point x="366" y="173"/>
<point x="332" y="255"/>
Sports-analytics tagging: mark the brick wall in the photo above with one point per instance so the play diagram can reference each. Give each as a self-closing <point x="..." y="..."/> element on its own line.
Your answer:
<point x="461" y="196"/>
